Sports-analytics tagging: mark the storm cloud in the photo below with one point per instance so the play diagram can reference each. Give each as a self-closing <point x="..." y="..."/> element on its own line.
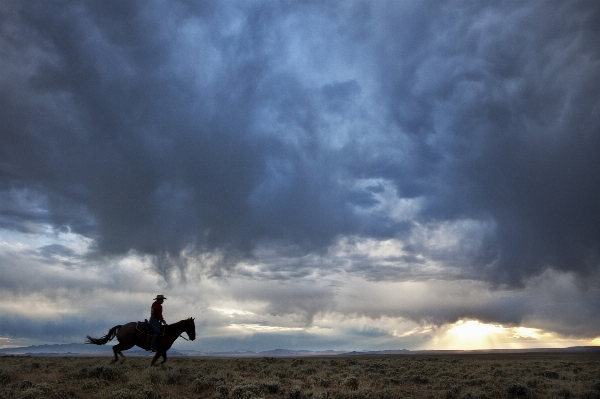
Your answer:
<point x="387" y="141"/>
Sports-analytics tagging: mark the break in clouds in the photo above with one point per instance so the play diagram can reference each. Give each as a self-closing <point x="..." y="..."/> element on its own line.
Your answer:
<point x="387" y="141"/>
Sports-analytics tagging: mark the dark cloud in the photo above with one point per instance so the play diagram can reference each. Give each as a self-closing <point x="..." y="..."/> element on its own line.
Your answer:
<point x="56" y="253"/>
<point x="67" y="329"/>
<point x="22" y="210"/>
<point x="504" y="108"/>
<point x="223" y="126"/>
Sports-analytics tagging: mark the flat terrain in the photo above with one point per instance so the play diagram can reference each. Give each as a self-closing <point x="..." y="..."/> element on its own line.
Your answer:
<point x="539" y="375"/>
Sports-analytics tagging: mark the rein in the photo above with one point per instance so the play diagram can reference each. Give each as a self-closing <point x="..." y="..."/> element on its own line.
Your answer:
<point x="180" y="334"/>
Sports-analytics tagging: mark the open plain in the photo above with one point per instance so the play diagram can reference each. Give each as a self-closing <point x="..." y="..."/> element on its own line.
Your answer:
<point x="531" y="375"/>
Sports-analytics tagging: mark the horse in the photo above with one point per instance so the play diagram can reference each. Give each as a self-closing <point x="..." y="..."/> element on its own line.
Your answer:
<point x="128" y="336"/>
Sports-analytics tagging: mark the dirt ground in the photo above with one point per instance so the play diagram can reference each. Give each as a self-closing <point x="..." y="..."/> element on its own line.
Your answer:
<point x="447" y="376"/>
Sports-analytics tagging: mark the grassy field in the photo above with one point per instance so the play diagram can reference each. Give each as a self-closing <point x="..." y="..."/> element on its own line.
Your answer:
<point x="446" y="376"/>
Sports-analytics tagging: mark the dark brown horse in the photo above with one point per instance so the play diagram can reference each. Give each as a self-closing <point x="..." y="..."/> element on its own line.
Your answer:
<point x="128" y="336"/>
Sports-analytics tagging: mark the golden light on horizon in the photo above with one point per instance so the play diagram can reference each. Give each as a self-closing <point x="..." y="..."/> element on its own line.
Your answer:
<point x="470" y="334"/>
<point x="473" y="329"/>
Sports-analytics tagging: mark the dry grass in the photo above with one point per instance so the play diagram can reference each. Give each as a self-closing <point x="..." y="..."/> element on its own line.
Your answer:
<point x="445" y="377"/>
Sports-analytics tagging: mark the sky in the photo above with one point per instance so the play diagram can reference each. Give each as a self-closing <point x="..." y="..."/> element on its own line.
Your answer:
<point x="343" y="175"/>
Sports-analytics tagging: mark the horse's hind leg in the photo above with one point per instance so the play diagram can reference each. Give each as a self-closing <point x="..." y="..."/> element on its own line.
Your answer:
<point x="117" y="351"/>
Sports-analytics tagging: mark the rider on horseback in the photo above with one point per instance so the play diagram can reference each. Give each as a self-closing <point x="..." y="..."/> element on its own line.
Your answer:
<point x="156" y="318"/>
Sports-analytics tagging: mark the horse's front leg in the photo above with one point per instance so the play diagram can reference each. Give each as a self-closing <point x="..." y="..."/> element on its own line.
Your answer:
<point x="164" y="355"/>
<point x="155" y="358"/>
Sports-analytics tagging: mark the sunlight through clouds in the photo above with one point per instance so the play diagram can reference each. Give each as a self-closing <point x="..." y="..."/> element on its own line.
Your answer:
<point x="233" y="312"/>
<point x="342" y="312"/>
<point x="468" y="334"/>
<point x="263" y="328"/>
<point x="471" y="334"/>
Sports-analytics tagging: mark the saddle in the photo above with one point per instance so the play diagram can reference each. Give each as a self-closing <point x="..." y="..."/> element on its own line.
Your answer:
<point x="145" y="328"/>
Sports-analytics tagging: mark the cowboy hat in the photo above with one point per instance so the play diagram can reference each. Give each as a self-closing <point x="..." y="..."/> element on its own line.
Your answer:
<point x="159" y="297"/>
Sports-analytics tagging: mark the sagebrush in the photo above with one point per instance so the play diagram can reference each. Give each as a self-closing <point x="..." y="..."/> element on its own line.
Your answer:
<point x="446" y="376"/>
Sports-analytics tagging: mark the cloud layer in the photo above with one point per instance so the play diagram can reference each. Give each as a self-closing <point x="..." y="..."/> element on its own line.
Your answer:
<point x="388" y="142"/>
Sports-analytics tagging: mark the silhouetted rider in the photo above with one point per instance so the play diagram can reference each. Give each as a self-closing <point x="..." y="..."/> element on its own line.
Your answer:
<point x="156" y="318"/>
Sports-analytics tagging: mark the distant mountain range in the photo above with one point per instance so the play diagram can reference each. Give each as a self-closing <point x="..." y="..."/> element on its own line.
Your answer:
<point x="93" y="350"/>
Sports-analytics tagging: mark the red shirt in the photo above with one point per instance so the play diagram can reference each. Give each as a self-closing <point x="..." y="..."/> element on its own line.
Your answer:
<point x="156" y="312"/>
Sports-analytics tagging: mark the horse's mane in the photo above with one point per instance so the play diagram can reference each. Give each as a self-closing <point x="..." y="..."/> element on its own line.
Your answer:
<point x="181" y="321"/>
<point x="178" y="324"/>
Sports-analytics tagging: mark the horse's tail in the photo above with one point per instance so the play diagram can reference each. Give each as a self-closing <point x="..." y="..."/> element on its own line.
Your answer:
<point x="101" y="341"/>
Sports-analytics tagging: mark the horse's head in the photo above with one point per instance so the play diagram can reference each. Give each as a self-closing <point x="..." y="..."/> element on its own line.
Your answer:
<point x="190" y="328"/>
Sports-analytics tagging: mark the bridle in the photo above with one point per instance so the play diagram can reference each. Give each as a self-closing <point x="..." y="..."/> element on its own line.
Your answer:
<point x="183" y="336"/>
